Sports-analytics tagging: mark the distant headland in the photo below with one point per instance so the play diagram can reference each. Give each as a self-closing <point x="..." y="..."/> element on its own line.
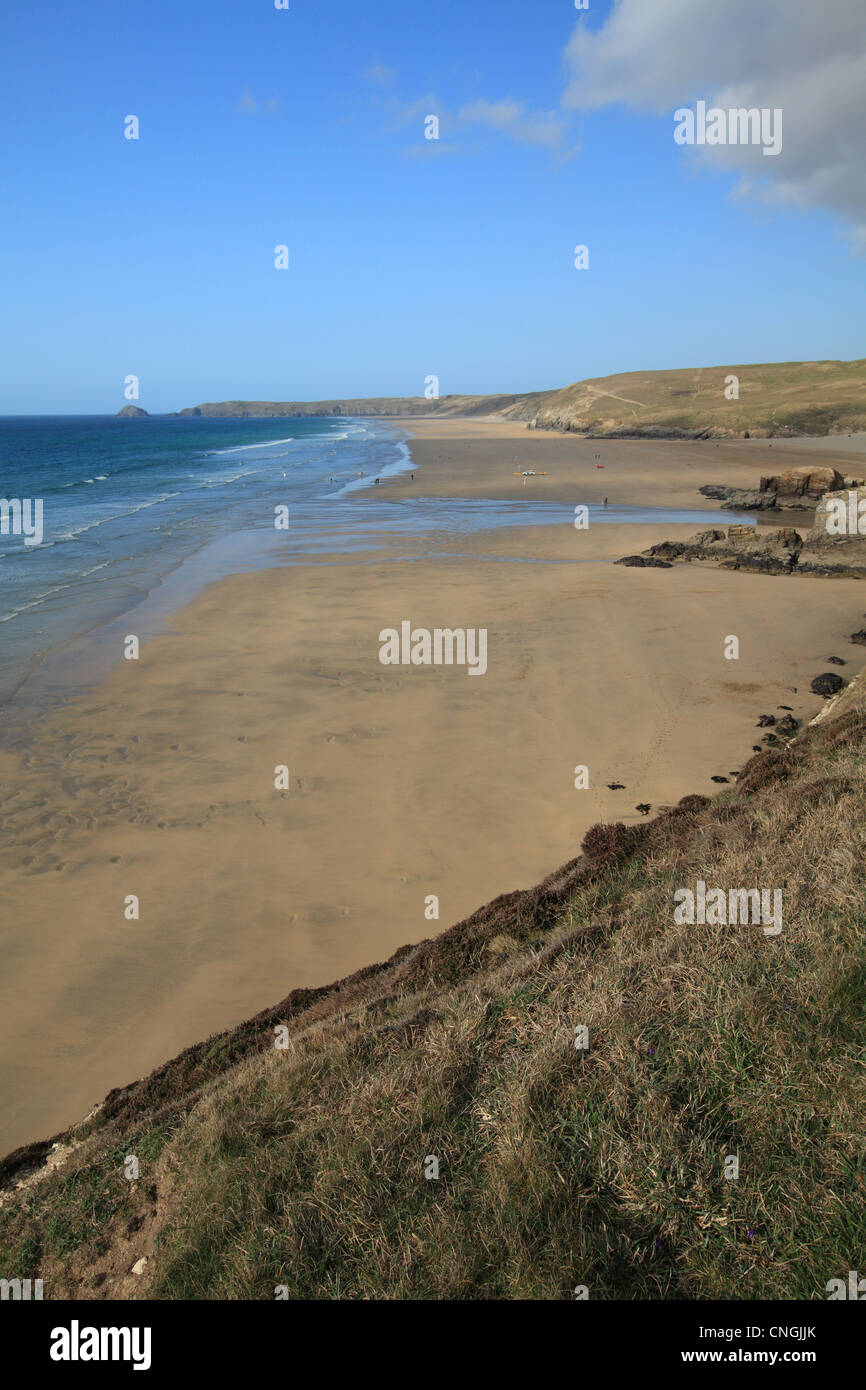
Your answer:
<point x="761" y="400"/>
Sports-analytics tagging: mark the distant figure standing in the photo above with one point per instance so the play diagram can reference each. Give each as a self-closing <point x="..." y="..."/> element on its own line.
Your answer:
<point x="412" y="476"/>
<point x="605" y="502"/>
<point x="377" y="482"/>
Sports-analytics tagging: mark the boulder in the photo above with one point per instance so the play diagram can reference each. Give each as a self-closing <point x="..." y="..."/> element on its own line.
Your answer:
<point x="707" y="537"/>
<point x="716" y="490"/>
<point x="797" y="488"/>
<point x="827" y="684"/>
<point x="741" y="500"/>
<point x="802" y="487"/>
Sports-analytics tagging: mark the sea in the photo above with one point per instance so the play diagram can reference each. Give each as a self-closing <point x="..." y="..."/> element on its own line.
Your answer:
<point x="139" y="514"/>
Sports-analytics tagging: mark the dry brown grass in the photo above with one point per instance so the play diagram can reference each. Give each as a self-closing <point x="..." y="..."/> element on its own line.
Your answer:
<point x="558" y="1167"/>
<point x="776" y="398"/>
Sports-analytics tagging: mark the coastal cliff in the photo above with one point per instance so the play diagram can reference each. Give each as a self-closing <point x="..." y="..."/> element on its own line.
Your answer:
<point x="370" y="407"/>
<point x="758" y="400"/>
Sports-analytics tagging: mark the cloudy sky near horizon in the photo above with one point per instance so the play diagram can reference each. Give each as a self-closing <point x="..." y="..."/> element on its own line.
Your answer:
<point x="410" y="256"/>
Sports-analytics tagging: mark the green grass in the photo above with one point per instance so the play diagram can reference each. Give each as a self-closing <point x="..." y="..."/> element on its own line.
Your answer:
<point x="558" y="1167"/>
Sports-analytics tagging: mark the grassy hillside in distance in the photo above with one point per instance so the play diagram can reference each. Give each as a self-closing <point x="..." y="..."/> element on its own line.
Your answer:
<point x="373" y="406"/>
<point x="559" y="1167"/>
<point x="774" y="399"/>
<point x="780" y="398"/>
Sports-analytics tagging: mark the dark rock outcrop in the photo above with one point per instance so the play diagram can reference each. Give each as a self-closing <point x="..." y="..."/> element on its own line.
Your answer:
<point x="132" y="412"/>
<point x="737" y="547"/>
<point x="641" y="562"/>
<point x="802" y="487"/>
<point x="827" y="684"/>
<point x="718" y="491"/>
<point x="743" y="500"/>
<point x="797" y="489"/>
<point x="833" y="547"/>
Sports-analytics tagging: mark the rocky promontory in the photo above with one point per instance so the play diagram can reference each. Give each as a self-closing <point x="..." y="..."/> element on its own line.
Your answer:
<point x="835" y="546"/>
<point x="799" y="489"/>
<point x="132" y="412"/>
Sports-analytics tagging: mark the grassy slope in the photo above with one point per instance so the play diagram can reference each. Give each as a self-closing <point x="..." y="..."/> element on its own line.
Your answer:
<point x="779" y="397"/>
<point x="559" y="1167"/>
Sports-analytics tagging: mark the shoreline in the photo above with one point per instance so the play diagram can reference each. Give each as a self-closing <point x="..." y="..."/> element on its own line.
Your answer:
<point x="644" y="472"/>
<point x="76" y="664"/>
<point x="159" y="782"/>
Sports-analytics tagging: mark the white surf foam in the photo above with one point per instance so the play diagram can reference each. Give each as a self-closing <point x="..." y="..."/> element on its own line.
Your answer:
<point x="242" y="448"/>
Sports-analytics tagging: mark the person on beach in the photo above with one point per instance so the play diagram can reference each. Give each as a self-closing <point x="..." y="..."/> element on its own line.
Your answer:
<point x="605" y="503"/>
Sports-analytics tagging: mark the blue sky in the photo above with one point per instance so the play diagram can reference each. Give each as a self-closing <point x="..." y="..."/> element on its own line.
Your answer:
<point x="409" y="257"/>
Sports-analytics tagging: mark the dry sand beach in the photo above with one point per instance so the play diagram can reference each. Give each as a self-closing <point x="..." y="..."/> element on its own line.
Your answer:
<point x="404" y="782"/>
<point x="479" y="457"/>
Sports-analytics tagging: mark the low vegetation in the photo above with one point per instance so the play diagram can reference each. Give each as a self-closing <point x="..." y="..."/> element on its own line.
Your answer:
<point x="771" y="399"/>
<point x="559" y="1166"/>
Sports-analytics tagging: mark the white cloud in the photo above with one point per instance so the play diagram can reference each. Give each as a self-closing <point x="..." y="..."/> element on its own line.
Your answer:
<point x="507" y="117"/>
<point x="808" y="59"/>
<point x="511" y="118"/>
